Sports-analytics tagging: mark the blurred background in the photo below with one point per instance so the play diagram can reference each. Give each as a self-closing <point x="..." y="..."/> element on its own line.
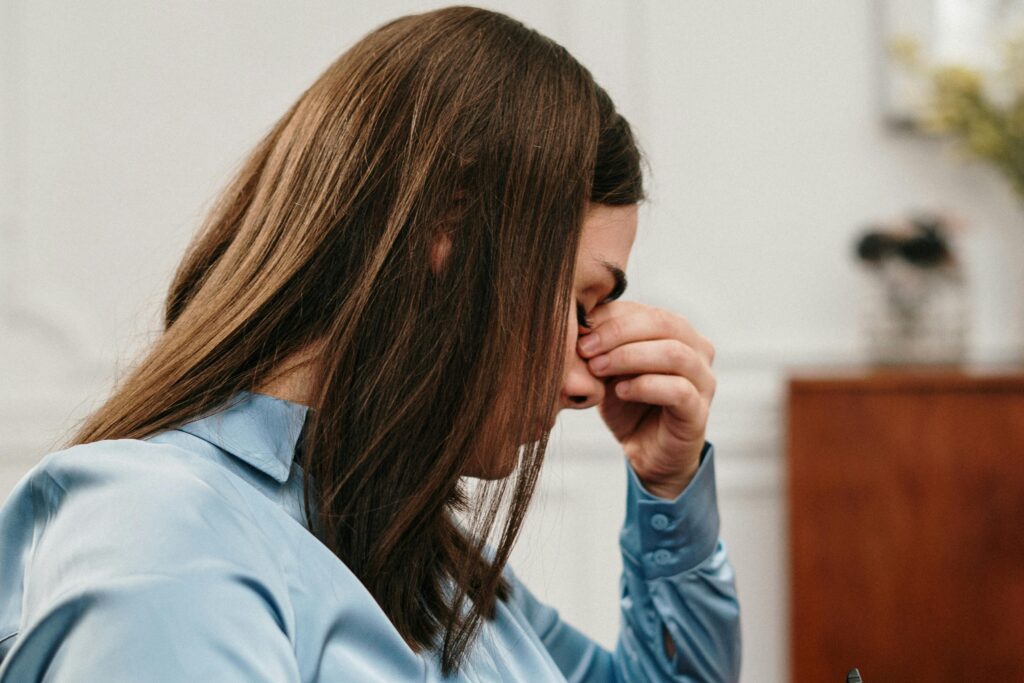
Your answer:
<point x="835" y="203"/>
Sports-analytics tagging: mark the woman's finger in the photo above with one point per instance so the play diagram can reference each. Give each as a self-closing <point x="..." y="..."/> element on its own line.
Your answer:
<point x="662" y="356"/>
<point x="678" y="396"/>
<point x="619" y="322"/>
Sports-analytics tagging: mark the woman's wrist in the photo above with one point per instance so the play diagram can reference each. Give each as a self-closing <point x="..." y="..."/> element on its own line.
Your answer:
<point x="670" y="486"/>
<point x="668" y="490"/>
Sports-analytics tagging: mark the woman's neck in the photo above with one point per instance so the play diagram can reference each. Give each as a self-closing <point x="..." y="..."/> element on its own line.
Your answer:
<point x="292" y="380"/>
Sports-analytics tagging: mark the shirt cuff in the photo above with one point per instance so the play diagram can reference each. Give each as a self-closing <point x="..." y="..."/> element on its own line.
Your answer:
<point x="662" y="537"/>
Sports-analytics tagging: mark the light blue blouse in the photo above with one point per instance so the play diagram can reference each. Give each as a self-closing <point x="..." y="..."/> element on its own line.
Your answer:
<point x="185" y="557"/>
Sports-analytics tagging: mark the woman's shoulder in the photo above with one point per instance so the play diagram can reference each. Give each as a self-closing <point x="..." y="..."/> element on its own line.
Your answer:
<point x="145" y="474"/>
<point x="135" y="504"/>
<point x="113" y="461"/>
<point x="130" y="542"/>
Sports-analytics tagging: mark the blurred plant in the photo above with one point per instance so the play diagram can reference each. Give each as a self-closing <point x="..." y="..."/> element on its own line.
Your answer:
<point x="982" y="109"/>
<point x="921" y="241"/>
<point x="915" y="300"/>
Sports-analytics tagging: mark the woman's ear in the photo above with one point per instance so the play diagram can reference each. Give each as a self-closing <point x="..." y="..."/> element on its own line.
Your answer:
<point x="442" y="244"/>
<point x="439" y="251"/>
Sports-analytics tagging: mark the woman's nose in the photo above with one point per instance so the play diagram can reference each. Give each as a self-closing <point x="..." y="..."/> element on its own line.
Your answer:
<point x="580" y="389"/>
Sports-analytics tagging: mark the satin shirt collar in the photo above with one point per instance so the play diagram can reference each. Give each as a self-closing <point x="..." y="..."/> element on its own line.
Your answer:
<point x="260" y="429"/>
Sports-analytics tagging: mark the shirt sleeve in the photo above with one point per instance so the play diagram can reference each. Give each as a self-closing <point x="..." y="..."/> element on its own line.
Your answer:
<point x="141" y="571"/>
<point x="676" y="580"/>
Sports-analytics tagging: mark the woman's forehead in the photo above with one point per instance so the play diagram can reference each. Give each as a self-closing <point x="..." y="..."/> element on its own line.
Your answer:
<point x="608" y="235"/>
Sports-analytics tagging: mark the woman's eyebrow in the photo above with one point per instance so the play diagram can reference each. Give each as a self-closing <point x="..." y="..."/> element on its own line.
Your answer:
<point x="620" y="281"/>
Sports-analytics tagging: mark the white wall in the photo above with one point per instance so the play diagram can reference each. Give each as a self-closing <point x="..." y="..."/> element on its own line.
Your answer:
<point x="119" y="121"/>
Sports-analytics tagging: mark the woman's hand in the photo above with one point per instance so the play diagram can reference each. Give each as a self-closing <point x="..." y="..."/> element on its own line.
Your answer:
<point x="659" y="386"/>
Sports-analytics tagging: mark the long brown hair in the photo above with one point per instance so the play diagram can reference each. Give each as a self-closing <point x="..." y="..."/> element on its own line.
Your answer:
<point x="459" y="120"/>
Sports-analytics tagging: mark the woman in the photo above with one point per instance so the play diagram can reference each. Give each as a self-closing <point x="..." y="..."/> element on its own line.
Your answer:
<point x="407" y="279"/>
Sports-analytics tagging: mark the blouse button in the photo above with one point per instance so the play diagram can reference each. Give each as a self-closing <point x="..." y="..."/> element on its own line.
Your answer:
<point x="659" y="521"/>
<point x="662" y="556"/>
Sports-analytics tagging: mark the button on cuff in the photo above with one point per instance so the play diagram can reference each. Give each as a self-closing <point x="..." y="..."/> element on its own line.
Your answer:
<point x="663" y="537"/>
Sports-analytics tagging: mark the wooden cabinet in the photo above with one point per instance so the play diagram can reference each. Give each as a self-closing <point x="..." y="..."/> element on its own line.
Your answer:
<point x="906" y="513"/>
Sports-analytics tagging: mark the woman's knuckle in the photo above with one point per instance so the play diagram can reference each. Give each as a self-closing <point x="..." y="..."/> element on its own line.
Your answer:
<point x="666" y="319"/>
<point x="710" y="349"/>
<point x="611" y="331"/>
<point x="678" y="355"/>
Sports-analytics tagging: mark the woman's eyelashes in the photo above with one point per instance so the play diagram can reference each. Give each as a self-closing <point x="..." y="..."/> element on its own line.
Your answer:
<point x="581" y="316"/>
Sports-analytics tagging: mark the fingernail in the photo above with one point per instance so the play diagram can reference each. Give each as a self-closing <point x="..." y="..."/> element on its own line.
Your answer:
<point x="589" y="342"/>
<point x="600" y="362"/>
